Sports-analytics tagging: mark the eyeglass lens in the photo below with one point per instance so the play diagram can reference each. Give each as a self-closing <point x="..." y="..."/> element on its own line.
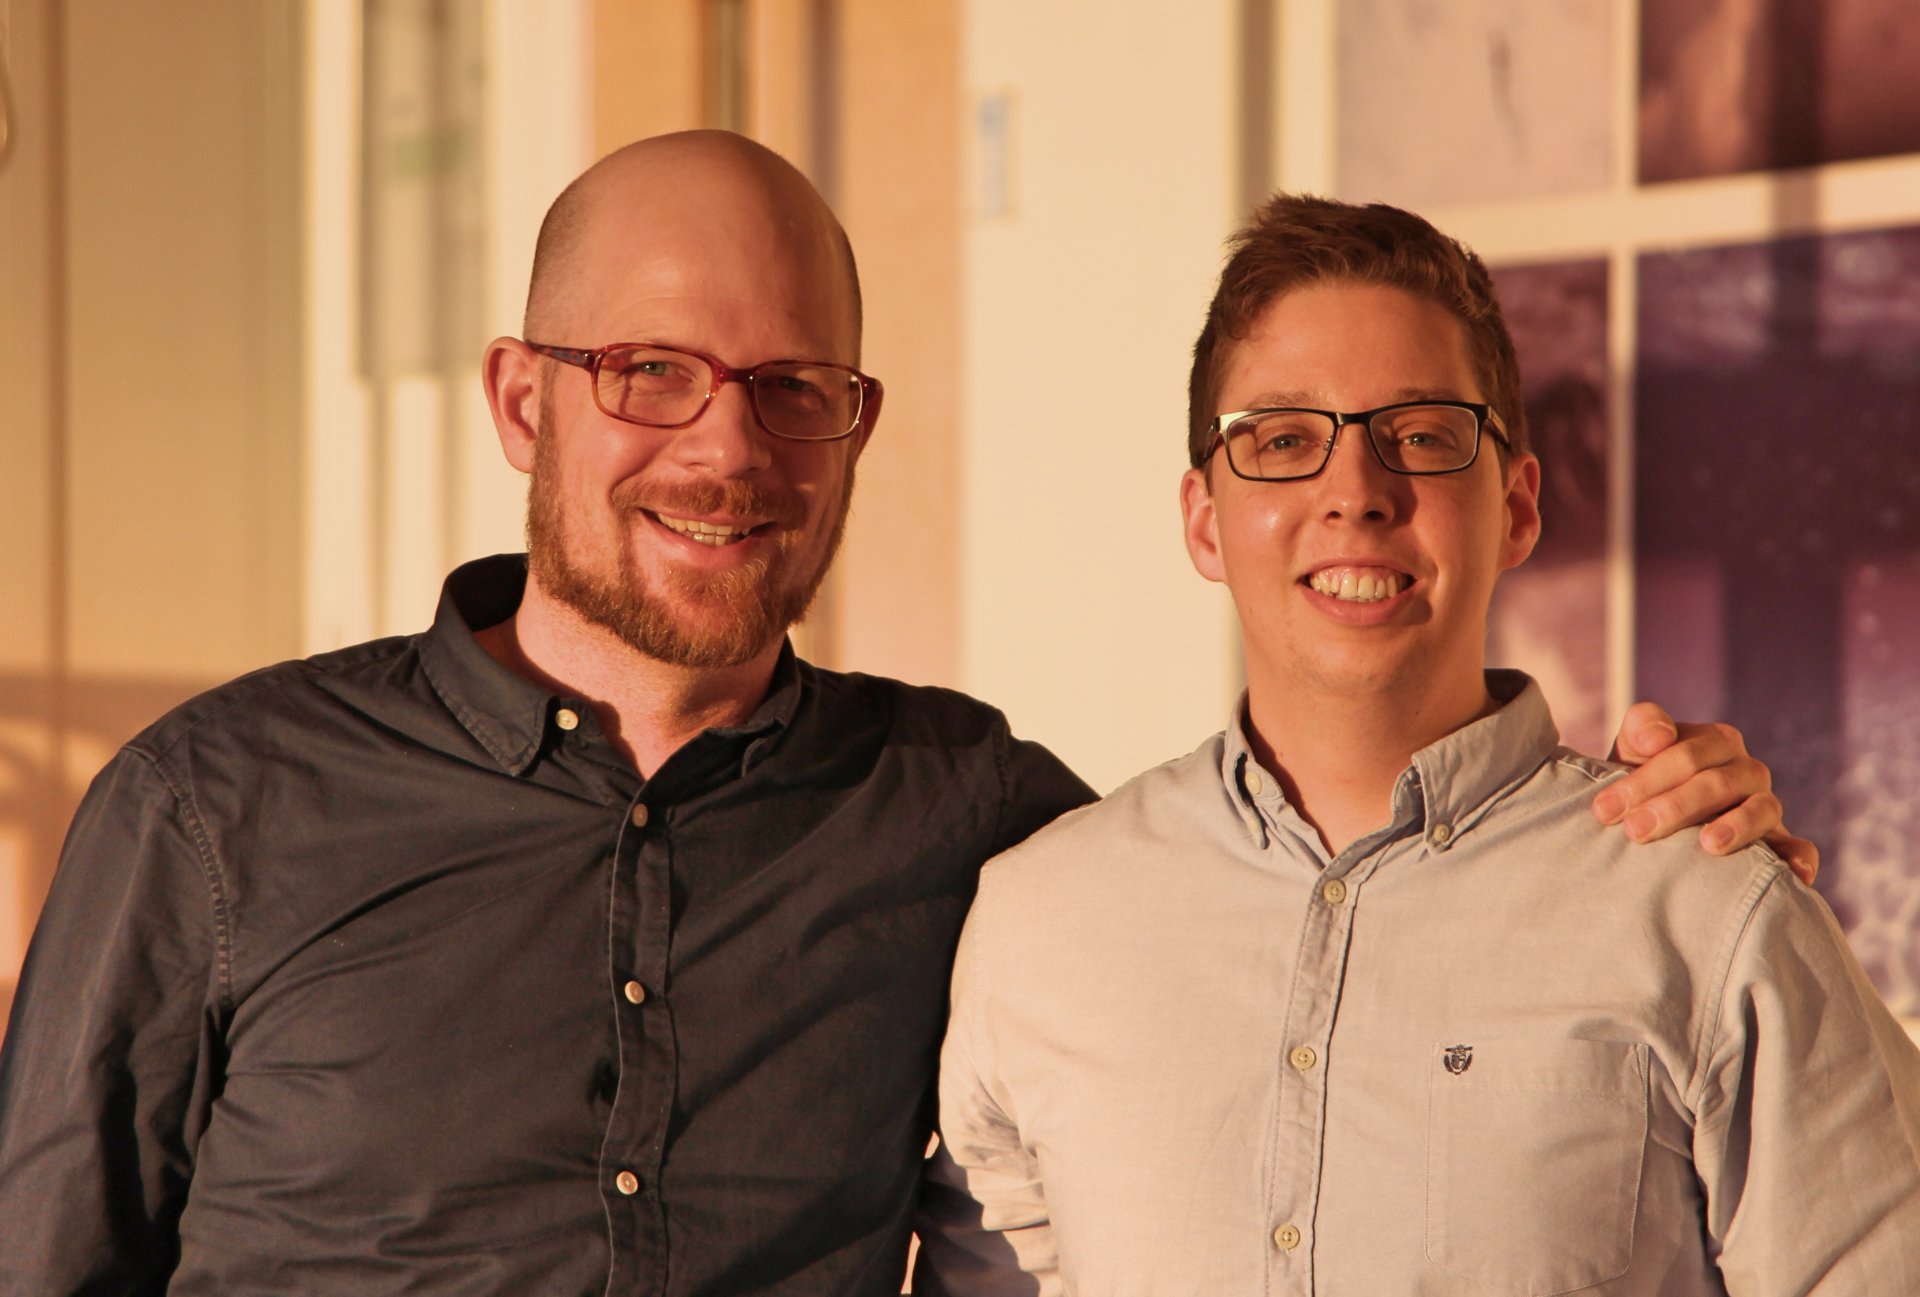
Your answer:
<point x="792" y="398"/>
<point x="1411" y="439"/>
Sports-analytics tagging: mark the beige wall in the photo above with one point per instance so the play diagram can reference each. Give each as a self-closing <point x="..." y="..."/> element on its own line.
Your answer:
<point x="645" y="69"/>
<point x="151" y="387"/>
<point x="1082" y="616"/>
<point x="897" y="188"/>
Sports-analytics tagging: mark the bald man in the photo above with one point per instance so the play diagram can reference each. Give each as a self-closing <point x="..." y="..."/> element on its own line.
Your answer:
<point x="587" y="941"/>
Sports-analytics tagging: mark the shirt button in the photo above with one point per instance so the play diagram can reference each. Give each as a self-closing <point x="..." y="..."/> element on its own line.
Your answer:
<point x="634" y="992"/>
<point x="639" y="815"/>
<point x="1441" y="835"/>
<point x="627" y="1182"/>
<point x="1287" y="1237"/>
<point x="1253" y="782"/>
<point x="1333" y="891"/>
<point x="1303" y="1058"/>
<point x="567" y="718"/>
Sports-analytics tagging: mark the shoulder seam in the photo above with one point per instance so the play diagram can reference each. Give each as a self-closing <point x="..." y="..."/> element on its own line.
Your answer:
<point x="171" y="729"/>
<point x="210" y="871"/>
<point x="1715" y="1001"/>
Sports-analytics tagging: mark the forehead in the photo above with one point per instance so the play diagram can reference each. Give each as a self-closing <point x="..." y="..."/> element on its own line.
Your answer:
<point x="719" y="267"/>
<point x="1349" y="345"/>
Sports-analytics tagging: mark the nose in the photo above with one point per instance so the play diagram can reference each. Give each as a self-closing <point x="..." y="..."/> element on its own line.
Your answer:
<point x="1355" y="485"/>
<point x="727" y="439"/>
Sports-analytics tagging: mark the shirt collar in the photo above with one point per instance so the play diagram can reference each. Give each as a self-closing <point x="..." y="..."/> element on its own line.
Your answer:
<point x="511" y="716"/>
<point x="1450" y="785"/>
<point x="1465" y="774"/>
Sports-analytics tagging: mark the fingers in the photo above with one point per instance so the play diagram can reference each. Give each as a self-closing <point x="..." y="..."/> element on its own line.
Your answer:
<point x="1749" y="822"/>
<point x="1645" y="731"/>
<point x="1706" y="776"/>
<point x="1698" y="774"/>
<point x="1802" y="856"/>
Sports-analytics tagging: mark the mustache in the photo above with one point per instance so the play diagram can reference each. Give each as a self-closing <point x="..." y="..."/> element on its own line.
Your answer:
<point x="735" y="498"/>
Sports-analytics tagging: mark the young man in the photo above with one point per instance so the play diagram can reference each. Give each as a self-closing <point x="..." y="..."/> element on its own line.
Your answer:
<point x="587" y="941"/>
<point x="1358" y="998"/>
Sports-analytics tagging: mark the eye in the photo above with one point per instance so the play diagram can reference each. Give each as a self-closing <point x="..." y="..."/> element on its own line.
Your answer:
<point x="1281" y="433"/>
<point x="1440" y="429"/>
<point x="794" y="385"/>
<point x="804" y="390"/>
<point x="652" y="371"/>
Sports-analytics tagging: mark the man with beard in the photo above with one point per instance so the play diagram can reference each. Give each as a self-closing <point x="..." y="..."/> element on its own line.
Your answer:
<point x="587" y="941"/>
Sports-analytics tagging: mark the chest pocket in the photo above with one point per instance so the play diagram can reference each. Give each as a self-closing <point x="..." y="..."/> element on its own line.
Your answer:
<point x="1534" y="1149"/>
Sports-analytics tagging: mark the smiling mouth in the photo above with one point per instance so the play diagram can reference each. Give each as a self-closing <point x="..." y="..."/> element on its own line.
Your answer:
<point x="1358" y="584"/>
<point x="716" y="534"/>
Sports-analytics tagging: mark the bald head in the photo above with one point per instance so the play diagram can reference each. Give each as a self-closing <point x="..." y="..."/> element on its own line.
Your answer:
<point x="733" y="215"/>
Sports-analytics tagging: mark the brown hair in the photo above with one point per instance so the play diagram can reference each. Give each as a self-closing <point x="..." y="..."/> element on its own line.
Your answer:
<point x="1296" y="239"/>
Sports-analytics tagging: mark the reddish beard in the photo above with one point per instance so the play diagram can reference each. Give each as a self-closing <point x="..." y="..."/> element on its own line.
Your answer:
<point x="727" y="617"/>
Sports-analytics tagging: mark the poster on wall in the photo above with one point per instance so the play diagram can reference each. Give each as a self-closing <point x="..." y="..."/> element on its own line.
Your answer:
<point x="1777" y="539"/>
<point x="1549" y="615"/>
<point x="1743" y="85"/>
<point x="1473" y="99"/>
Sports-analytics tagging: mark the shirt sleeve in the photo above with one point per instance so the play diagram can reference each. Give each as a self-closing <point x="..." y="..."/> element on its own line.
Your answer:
<point x="984" y="1228"/>
<point x="1807" y="1137"/>
<point x="107" y="1071"/>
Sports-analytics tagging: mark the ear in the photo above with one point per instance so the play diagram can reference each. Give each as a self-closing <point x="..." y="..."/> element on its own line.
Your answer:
<point x="1523" y="511"/>
<point x="1202" y="525"/>
<point x="510" y="371"/>
<point x="869" y="416"/>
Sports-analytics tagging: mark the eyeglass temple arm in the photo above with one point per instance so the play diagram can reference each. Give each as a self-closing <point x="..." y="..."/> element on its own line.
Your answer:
<point x="565" y="355"/>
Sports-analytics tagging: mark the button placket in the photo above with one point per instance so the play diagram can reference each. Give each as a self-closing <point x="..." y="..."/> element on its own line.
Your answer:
<point x="643" y="1029"/>
<point x="1299" y="1132"/>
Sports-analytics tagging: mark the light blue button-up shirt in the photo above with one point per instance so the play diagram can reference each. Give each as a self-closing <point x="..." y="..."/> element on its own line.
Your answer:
<point x="1490" y="1048"/>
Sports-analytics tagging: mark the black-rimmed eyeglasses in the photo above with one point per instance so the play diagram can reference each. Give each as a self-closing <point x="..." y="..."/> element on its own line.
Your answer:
<point x="1418" y="438"/>
<point x="670" y="387"/>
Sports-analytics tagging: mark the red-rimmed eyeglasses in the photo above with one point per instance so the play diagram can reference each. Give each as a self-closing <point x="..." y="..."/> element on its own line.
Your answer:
<point x="670" y="387"/>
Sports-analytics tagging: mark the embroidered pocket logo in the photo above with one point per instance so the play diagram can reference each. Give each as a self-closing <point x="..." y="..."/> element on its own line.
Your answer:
<point x="1457" y="1058"/>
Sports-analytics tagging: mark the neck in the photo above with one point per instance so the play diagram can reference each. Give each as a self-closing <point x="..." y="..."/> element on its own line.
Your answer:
<point x="647" y="708"/>
<point x="1338" y="754"/>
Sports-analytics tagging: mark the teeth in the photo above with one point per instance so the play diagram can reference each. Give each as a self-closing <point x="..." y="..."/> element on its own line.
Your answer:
<point x="1358" y="586"/>
<point x="707" y="533"/>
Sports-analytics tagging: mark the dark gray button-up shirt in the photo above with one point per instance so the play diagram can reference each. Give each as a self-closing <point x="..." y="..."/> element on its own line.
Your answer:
<point x="384" y="972"/>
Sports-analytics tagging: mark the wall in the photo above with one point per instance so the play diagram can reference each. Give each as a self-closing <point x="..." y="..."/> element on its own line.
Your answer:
<point x="1093" y="241"/>
<point x="149" y="334"/>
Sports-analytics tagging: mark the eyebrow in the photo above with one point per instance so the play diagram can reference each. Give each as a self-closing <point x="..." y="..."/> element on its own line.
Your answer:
<point x="1302" y="398"/>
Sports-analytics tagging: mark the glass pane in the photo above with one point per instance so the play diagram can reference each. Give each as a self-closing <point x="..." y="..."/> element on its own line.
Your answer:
<point x="654" y="384"/>
<point x="1283" y="443"/>
<point x="1425" y="438"/>
<point x="807" y="400"/>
